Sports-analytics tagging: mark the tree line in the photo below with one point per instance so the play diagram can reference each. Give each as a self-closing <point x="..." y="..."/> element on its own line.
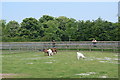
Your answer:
<point x="48" y="28"/>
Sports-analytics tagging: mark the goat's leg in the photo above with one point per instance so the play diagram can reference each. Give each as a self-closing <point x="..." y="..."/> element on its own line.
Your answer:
<point x="78" y="57"/>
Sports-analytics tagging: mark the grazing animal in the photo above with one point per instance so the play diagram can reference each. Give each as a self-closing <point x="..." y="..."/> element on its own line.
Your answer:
<point x="50" y="53"/>
<point x="80" y="55"/>
<point x="45" y="51"/>
<point x="54" y="50"/>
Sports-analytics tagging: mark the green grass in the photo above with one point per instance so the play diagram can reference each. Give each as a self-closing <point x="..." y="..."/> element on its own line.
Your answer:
<point x="63" y="65"/>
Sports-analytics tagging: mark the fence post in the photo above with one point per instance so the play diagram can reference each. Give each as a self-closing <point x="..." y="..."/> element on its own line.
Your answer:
<point x="90" y="47"/>
<point x="9" y="47"/>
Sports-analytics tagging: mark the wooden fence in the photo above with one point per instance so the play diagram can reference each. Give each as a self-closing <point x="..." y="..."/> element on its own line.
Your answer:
<point x="76" y="45"/>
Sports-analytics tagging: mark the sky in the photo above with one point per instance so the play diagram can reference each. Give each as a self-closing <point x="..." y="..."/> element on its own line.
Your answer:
<point x="78" y="10"/>
<point x="59" y="0"/>
<point x="119" y="8"/>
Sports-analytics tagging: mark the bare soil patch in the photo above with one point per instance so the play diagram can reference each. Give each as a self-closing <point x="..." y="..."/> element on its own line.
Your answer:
<point x="9" y="75"/>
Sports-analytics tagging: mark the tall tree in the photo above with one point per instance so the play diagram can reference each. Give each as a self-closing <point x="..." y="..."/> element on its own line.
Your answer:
<point x="3" y="28"/>
<point x="30" y="28"/>
<point x="12" y="27"/>
<point x="71" y="28"/>
<point x="60" y="28"/>
<point x="62" y="21"/>
<point x="45" y="18"/>
<point x="50" y="33"/>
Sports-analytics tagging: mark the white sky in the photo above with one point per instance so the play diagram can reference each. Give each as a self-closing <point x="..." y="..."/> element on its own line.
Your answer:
<point x="60" y="0"/>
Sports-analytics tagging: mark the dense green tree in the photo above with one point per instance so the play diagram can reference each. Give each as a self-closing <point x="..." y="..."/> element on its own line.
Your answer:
<point x="79" y="32"/>
<point x="12" y="28"/>
<point x="61" y="28"/>
<point x="2" y="28"/>
<point x="115" y="32"/>
<point x="62" y="20"/>
<point x="30" y="28"/>
<point x="45" y="18"/>
<point x="50" y="33"/>
<point x="43" y="22"/>
<point x="71" y="28"/>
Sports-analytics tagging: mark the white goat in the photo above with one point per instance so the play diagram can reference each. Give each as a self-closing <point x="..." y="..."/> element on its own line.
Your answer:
<point x="50" y="52"/>
<point x="80" y="55"/>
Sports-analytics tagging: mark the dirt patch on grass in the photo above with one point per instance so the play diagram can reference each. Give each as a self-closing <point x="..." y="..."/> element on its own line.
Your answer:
<point x="9" y="75"/>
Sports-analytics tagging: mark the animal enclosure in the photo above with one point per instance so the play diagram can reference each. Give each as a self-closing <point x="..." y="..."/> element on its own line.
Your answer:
<point x="28" y="61"/>
<point x="66" y="45"/>
<point x="65" y="64"/>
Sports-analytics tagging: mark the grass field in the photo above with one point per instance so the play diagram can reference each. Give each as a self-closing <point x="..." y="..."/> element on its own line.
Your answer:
<point x="63" y="65"/>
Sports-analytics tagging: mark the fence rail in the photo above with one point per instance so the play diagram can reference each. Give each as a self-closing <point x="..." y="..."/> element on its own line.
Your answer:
<point x="114" y="45"/>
